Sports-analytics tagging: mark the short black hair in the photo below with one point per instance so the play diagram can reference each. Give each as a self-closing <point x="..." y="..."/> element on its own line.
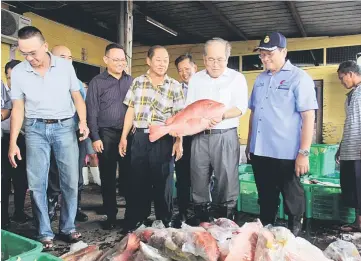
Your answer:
<point x="182" y="58"/>
<point x="113" y="46"/>
<point x="30" y="31"/>
<point x="11" y="65"/>
<point x="348" y="67"/>
<point x="152" y="50"/>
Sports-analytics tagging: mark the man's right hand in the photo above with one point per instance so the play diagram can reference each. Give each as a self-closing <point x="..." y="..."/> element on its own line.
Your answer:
<point x="123" y="147"/>
<point x="14" y="151"/>
<point x="98" y="146"/>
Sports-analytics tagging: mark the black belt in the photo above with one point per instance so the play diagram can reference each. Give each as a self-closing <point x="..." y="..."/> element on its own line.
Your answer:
<point x="142" y="130"/>
<point x="51" y="121"/>
<point x="216" y="131"/>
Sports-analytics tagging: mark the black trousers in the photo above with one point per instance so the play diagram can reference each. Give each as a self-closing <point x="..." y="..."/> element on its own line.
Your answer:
<point x="273" y="176"/>
<point x="183" y="173"/>
<point x="350" y="181"/>
<point x="151" y="178"/>
<point x="17" y="175"/>
<point x="108" y="160"/>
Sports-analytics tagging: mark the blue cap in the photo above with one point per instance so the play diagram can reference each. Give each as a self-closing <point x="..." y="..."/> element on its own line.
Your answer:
<point x="272" y="41"/>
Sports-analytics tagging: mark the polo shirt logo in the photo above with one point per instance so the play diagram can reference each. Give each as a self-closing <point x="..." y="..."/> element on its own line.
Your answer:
<point x="283" y="85"/>
<point x="261" y="84"/>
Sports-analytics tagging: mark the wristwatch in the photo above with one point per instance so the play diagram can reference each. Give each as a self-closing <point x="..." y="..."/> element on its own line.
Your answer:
<point x="305" y="153"/>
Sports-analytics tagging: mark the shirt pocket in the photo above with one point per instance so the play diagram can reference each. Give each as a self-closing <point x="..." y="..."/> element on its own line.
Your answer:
<point x="282" y="98"/>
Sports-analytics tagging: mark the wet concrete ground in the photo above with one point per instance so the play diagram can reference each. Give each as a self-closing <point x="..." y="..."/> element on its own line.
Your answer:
<point x="319" y="233"/>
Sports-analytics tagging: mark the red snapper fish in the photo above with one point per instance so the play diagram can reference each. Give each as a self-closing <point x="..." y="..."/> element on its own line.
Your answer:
<point x="193" y="119"/>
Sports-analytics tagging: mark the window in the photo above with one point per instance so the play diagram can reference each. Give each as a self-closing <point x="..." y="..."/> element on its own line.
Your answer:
<point x="306" y="58"/>
<point x="338" y="55"/>
<point x="233" y="63"/>
<point x="251" y="63"/>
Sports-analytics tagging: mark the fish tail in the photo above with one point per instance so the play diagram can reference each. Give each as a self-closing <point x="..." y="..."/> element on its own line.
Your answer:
<point x="157" y="131"/>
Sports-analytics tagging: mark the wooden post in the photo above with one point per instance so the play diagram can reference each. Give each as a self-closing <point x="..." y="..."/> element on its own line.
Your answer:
<point x="129" y="33"/>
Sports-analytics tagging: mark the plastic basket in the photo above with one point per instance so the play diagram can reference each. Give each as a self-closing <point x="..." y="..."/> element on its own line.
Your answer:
<point x="245" y="169"/>
<point x="14" y="246"/>
<point x="322" y="159"/>
<point x="41" y="257"/>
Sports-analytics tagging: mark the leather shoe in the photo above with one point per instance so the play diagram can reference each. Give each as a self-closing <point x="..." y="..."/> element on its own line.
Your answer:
<point x="81" y="216"/>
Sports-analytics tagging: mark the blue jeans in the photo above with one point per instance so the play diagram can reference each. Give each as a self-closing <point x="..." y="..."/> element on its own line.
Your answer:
<point x="61" y="138"/>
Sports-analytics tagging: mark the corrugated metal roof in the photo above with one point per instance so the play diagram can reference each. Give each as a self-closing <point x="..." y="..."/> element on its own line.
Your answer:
<point x="195" y="21"/>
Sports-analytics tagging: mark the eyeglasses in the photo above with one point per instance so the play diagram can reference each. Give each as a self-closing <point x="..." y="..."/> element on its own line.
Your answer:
<point x="269" y="55"/>
<point x="218" y="60"/>
<point x="32" y="54"/>
<point x="117" y="60"/>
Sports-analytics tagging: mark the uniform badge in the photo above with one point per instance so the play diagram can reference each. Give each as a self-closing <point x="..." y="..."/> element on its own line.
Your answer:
<point x="266" y="39"/>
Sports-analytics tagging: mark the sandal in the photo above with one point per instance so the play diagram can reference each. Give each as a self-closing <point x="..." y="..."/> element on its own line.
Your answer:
<point x="350" y="228"/>
<point x="70" y="238"/>
<point x="48" y="245"/>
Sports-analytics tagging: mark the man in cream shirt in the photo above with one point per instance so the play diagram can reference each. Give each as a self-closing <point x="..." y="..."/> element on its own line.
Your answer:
<point x="217" y="149"/>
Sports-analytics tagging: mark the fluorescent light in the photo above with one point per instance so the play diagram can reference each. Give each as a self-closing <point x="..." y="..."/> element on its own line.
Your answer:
<point x="161" y="26"/>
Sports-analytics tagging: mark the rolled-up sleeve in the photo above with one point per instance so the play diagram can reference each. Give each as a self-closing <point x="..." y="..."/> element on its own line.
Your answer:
<point x="16" y="88"/>
<point x="178" y="99"/>
<point x="92" y="105"/>
<point x="305" y="94"/>
<point x="240" y="93"/>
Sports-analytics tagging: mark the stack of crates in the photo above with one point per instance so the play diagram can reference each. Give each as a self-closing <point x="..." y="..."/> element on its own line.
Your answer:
<point x="322" y="201"/>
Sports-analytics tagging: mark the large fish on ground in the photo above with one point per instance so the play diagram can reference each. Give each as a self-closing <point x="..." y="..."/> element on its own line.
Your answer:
<point x="193" y="119"/>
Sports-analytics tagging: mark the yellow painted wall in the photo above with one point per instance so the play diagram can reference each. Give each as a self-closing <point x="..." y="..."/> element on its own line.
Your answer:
<point x="5" y="57"/>
<point x="333" y="92"/>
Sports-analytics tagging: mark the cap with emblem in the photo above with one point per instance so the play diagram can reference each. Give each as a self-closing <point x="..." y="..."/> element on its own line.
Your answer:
<point x="272" y="41"/>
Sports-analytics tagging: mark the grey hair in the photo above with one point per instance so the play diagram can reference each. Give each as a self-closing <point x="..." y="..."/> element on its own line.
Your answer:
<point x="218" y="40"/>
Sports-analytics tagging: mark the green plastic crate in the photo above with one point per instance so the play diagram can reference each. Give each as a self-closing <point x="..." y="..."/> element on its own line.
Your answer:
<point x="322" y="159"/>
<point x="14" y="246"/>
<point x="41" y="257"/>
<point x="248" y="198"/>
<point x="325" y="203"/>
<point x="245" y="169"/>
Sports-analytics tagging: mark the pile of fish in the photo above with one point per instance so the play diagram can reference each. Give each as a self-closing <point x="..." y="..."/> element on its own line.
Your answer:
<point x="221" y="240"/>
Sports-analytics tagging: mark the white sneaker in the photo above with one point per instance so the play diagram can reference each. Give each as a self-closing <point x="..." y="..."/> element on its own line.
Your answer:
<point x="96" y="175"/>
<point x="85" y="176"/>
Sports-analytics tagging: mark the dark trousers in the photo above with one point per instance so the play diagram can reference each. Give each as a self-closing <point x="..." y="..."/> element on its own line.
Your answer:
<point x="273" y="176"/>
<point x="350" y="181"/>
<point x="108" y="160"/>
<point x="53" y="179"/>
<point x="183" y="173"/>
<point x="151" y="178"/>
<point x="17" y="175"/>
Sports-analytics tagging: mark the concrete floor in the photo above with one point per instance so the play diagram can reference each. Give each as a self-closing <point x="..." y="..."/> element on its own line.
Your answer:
<point x="319" y="233"/>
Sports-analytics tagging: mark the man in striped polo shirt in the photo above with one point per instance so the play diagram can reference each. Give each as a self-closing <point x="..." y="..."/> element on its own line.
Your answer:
<point x="349" y="154"/>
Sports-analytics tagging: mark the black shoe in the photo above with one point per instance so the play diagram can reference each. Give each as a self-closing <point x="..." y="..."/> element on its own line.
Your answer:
<point x="20" y="218"/>
<point x="180" y="218"/>
<point x="109" y="224"/>
<point x="81" y="216"/>
<point x="295" y="224"/>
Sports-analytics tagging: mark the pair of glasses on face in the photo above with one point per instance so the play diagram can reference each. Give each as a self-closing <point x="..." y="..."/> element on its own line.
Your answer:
<point x="269" y="55"/>
<point x="31" y="54"/>
<point x="218" y="60"/>
<point x="117" y="60"/>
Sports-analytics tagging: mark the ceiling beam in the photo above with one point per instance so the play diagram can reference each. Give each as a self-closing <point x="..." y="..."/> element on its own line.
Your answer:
<point x="216" y="12"/>
<point x="141" y="9"/>
<point x="296" y="16"/>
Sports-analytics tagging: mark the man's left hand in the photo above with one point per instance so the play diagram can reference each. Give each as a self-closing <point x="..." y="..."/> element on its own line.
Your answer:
<point x="302" y="165"/>
<point x="177" y="150"/>
<point x="83" y="130"/>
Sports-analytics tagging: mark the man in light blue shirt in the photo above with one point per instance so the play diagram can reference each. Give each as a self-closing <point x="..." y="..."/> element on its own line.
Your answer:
<point x="282" y="104"/>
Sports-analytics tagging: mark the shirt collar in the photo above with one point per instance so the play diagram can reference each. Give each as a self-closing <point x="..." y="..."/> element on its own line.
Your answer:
<point x="106" y="74"/>
<point x="226" y="73"/>
<point x="29" y="68"/>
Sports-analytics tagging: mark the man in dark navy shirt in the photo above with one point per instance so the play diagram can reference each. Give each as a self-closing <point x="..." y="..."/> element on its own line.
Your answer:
<point x="105" y="115"/>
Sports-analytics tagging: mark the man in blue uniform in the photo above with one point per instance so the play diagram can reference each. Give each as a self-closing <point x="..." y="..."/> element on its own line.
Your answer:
<point x="282" y="104"/>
